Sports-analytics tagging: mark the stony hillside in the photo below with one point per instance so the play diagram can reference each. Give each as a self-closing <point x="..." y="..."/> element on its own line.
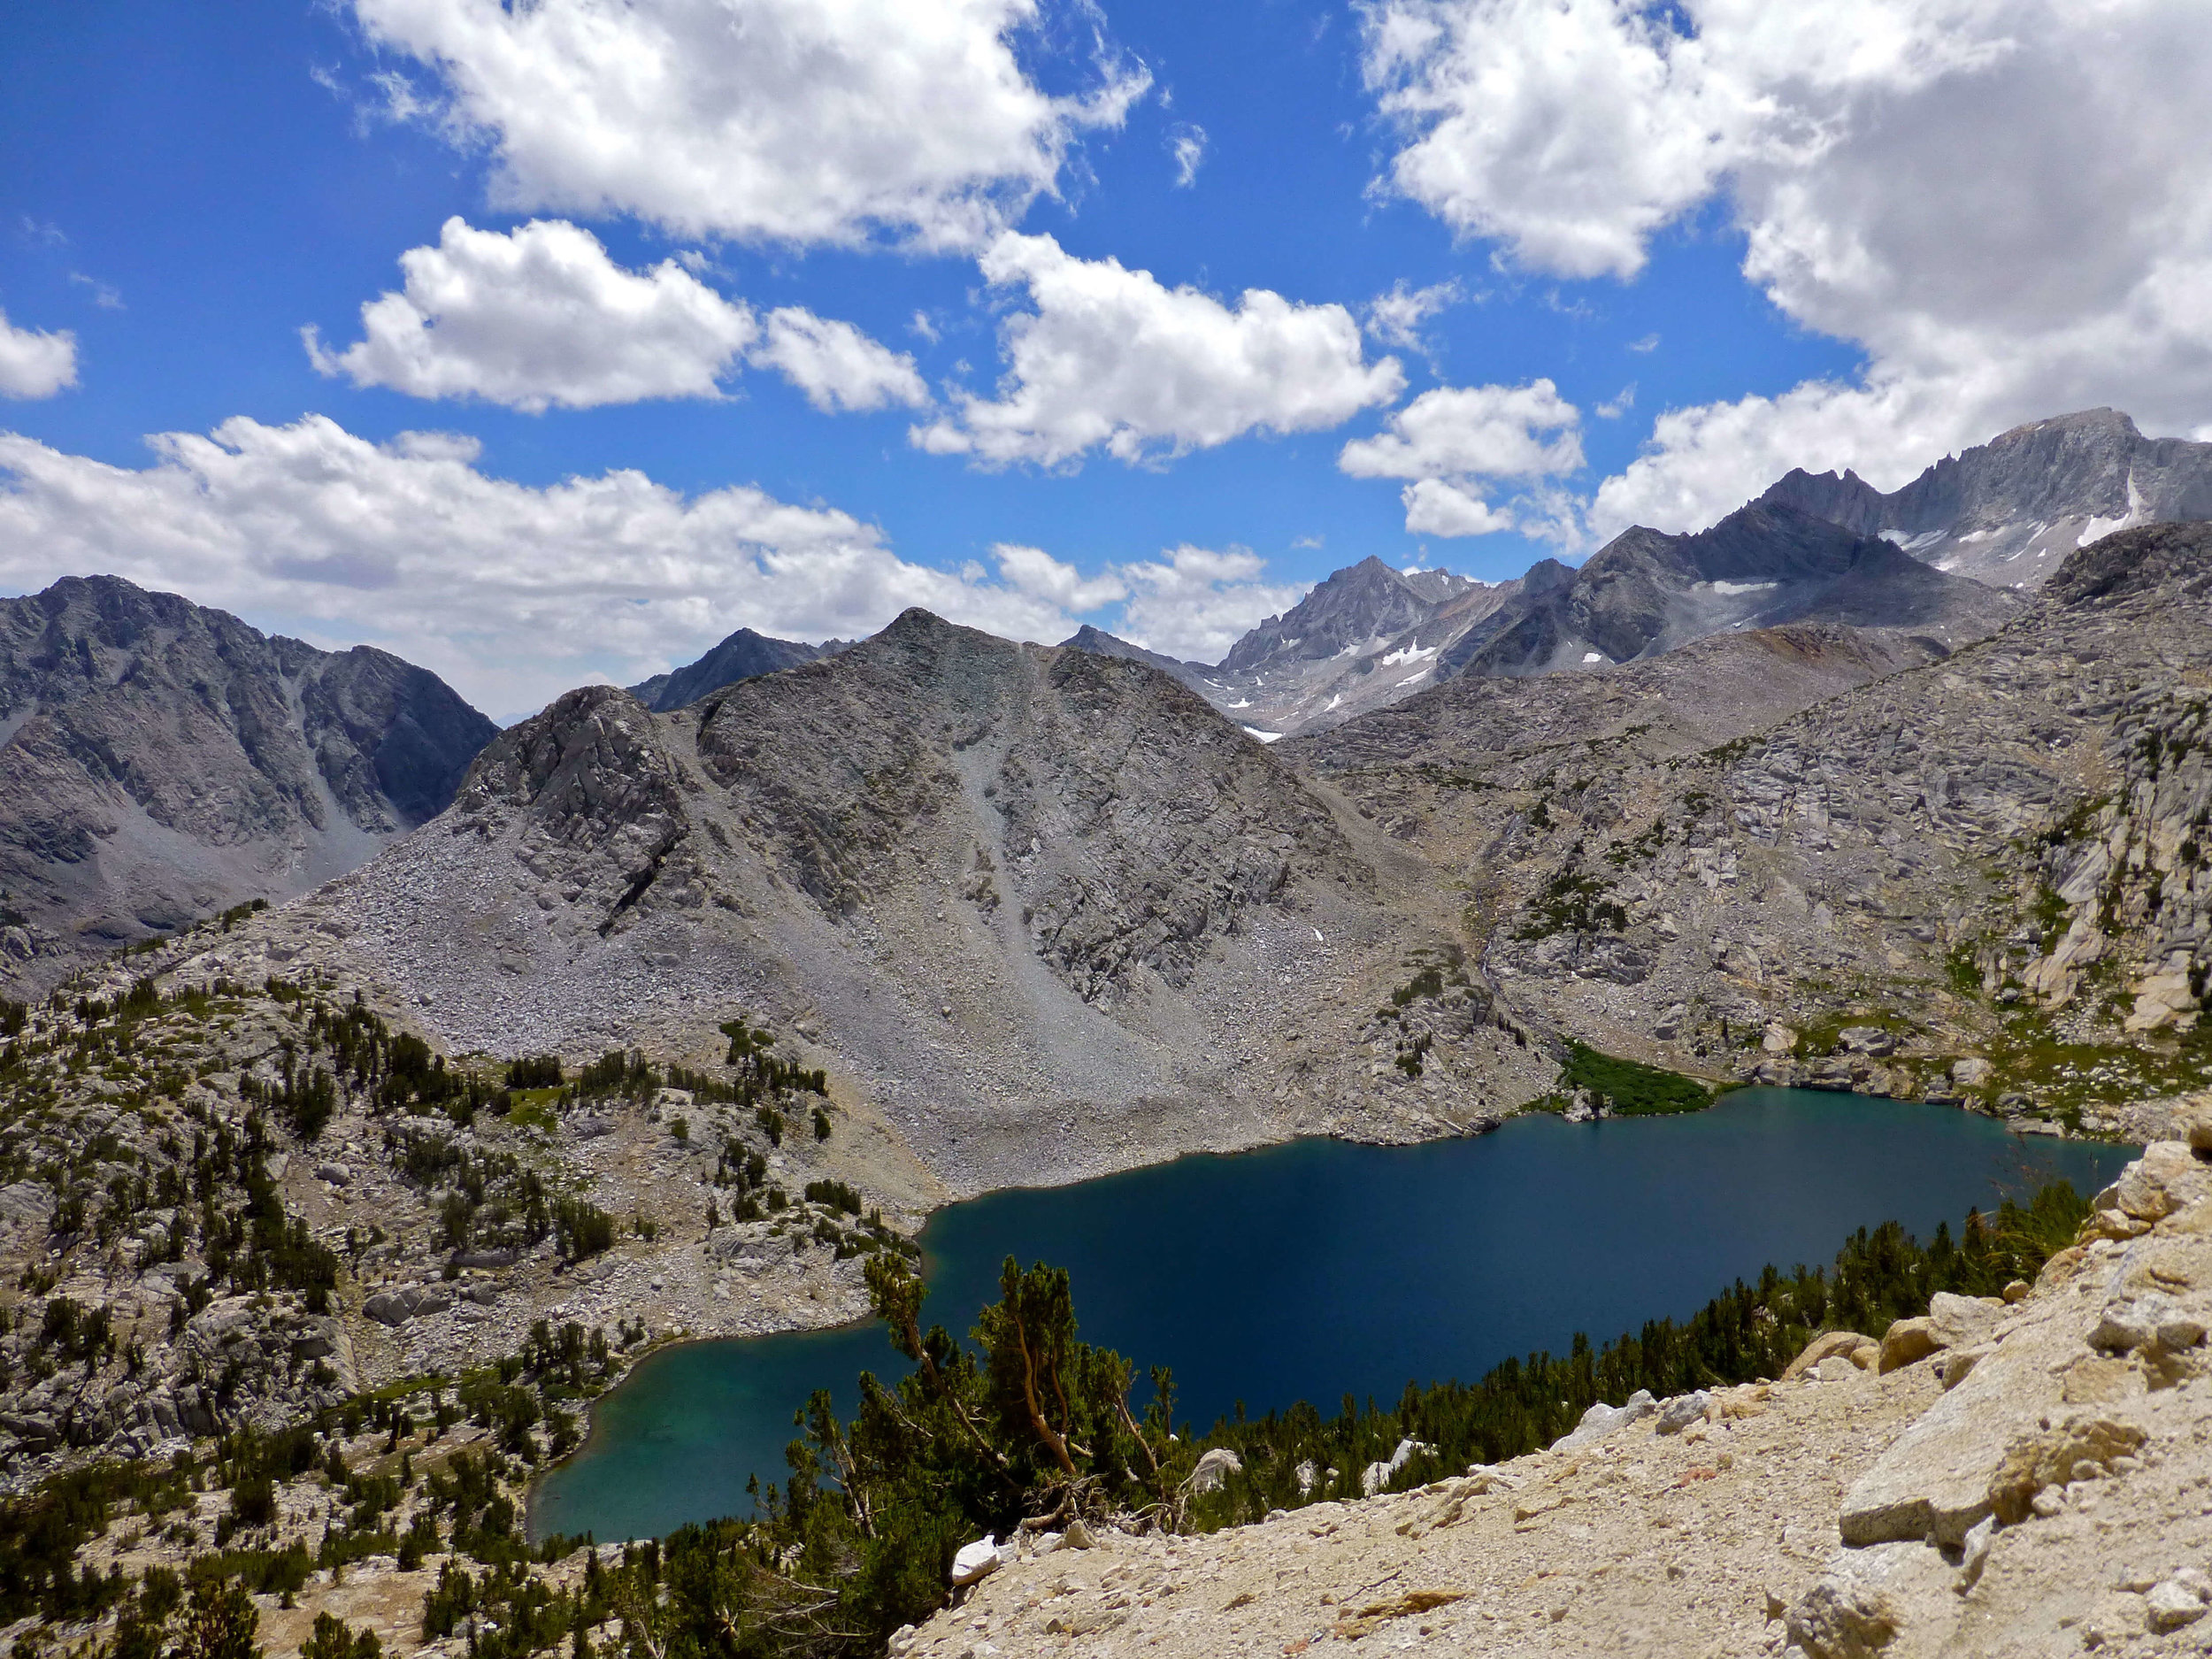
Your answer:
<point x="1974" y="879"/>
<point x="1044" y="913"/>
<point x="160" y="761"/>
<point x="227" y="1206"/>
<point x="1043" y="910"/>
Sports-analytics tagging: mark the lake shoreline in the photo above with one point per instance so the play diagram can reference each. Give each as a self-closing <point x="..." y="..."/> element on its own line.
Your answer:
<point x="1897" y="1136"/>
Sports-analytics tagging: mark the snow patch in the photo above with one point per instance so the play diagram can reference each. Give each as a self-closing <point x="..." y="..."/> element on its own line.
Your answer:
<point x="2097" y="529"/>
<point x="1414" y="679"/>
<point x="1264" y="737"/>
<point x="1927" y="537"/>
<point x="1409" y="654"/>
<point x="1242" y="702"/>
<point x="1593" y="656"/>
<point x="1743" y="587"/>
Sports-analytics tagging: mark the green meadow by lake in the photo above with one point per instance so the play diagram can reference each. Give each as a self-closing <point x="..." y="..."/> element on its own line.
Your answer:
<point x="1323" y="1269"/>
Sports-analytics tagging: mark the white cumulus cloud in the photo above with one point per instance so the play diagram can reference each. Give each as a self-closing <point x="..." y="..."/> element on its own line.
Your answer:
<point x="511" y="592"/>
<point x="1449" y="438"/>
<point x="1434" y="507"/>
<point x="541" y="315"/>
<point x="837" y="366"/>
<point x="2000" y="202"/>
<point x="1111" y="358"/>
<point x="1485" y="431"/>
<point x="1034" y="572"/>
<point x="1194" y="603"/>
<point x="787" y="121"/>
<point x="33" y="363"/>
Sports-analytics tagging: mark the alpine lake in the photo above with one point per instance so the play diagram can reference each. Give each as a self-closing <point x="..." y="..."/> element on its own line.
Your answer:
<point x="1322" y="1269"/>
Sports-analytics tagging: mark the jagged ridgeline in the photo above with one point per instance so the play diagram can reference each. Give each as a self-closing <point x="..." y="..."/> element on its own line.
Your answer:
<point x="176" y="1272"/>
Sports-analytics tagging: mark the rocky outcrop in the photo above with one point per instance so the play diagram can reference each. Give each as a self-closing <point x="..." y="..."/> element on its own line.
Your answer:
<point x="160" y="761"/>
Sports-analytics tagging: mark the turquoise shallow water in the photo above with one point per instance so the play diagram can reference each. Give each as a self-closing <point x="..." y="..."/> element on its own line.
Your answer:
<point x="1321" y="1268"/>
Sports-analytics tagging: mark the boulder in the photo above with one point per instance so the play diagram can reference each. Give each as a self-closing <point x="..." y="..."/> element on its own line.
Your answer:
<point x="978" y="1561"/>
<point x="1961" y="1321"/>
<point x="1860" y="1349"/>
<point x="396" y="1307"/>
<point x="2166" y="1178"/>
<point x="26" y="1203"/>
<point x="1934" y="1479"/>
<point x="1681" y="1411"/>
<point x="1213" y="1469"/>
<point x="2161" y="999"/>
<point x="1601" y="1420"/>
<point x="1863" y="1600"/>
<point x="1954" y="1365"/>
<point x="2177" y="1602"/>
<point x="1907" y="1342"/>
<point x="1868" y="1040"/>
<point x="1971" y="1073"/>
<point x="1375" y="1477"/>
<point x="2129" y="1323"/>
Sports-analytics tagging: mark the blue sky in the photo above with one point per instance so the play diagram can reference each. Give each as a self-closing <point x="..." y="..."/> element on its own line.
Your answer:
<point x="1658" y="295"/>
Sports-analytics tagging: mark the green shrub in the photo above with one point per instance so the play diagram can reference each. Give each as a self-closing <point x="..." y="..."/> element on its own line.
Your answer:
<point x="1628" y="1088"/>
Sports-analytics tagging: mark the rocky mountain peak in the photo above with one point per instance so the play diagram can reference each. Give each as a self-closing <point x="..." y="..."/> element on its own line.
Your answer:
<point x="1363" y="605"/>
<point x="2007" y="512"/>
<point x="160" y="760"/>
<point x="1769" y="563"/>
<point x="741" y="656"/>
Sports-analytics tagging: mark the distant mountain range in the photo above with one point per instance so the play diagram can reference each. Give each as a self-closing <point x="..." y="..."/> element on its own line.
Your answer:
<point x="160" y="761"/>
<point x="1945" y="559"/>
<point x="1040" y="911"/>
<point x="1979" y="529"/>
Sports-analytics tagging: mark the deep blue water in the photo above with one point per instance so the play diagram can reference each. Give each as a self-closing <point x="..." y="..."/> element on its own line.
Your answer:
<point x="1321" y="1268"/>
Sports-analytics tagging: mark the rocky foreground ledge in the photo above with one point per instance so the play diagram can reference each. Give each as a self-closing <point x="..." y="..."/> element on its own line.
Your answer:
<point x="2030" y="1479"/>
